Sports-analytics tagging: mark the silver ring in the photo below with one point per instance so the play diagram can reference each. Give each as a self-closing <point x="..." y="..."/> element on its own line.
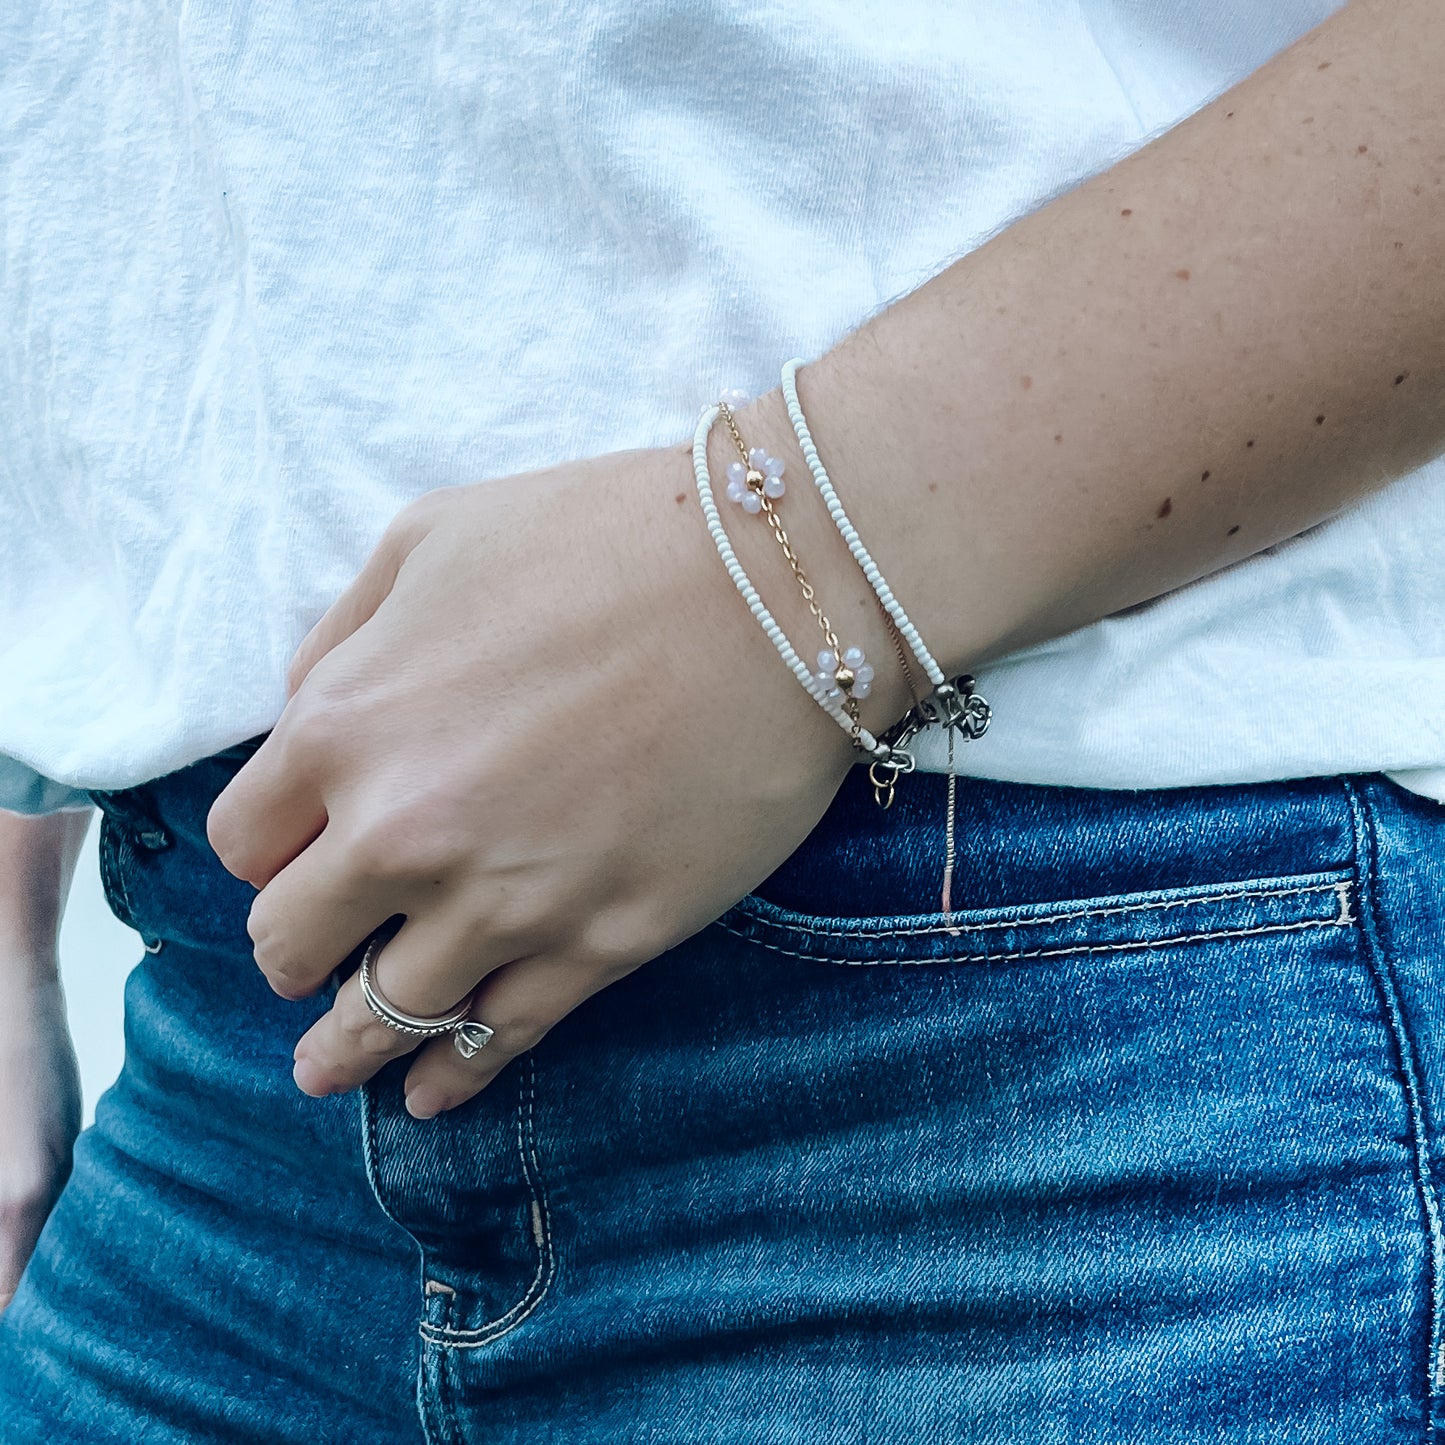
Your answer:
<point x="468" y="1034"/>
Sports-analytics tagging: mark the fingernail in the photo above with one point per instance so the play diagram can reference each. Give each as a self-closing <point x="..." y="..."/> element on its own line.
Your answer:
<point x="310" y="1078"/>
<point x="420" y="1106"/>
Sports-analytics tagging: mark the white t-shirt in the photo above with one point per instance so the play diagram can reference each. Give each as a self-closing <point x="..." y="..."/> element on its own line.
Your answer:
<point x="270" y="270"/>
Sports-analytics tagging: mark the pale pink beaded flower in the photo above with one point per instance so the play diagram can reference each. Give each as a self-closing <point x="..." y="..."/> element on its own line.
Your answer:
<point x="762" y="477"/>
<point x="853" y="675"/>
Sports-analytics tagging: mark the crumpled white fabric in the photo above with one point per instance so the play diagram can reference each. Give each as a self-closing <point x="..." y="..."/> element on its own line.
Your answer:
<point x="271" y="269"/>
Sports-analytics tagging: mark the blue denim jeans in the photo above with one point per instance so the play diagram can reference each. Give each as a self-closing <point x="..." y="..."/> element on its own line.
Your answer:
<point x="1143" y="1145"/>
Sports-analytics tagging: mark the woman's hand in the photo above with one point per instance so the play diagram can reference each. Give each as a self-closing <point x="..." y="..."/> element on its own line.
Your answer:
<point x="541" y="726"/>
<point x="40" y="1108"/>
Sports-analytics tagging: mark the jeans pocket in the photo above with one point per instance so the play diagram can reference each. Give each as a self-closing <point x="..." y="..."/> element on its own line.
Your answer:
<point x="1139" y="1125"/>
<point x="1070" y="928"/>
<point x="467" y="1187"/>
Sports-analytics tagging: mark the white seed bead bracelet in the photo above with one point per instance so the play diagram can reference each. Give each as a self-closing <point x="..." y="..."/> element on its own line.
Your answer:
<point x="822" y="686"/>
<point x="849" y="532"/>
<point x="844" y="676"/>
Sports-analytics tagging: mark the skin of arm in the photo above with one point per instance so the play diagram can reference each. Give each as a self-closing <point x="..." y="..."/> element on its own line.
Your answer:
<point x="40" y="1104"/>
<point x="1209" y="347"/>
<point x="1217" y="343"/>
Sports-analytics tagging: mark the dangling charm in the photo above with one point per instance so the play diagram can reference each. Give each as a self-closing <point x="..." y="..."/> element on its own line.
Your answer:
<point x="470" y="1037"/>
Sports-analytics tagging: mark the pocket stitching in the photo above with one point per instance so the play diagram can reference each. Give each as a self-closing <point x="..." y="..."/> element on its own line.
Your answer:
<point x="1344" y="919"/>
<point x="112" y="876"/>
<point x="471" y="1339"/>
<point x="822" y="929"/>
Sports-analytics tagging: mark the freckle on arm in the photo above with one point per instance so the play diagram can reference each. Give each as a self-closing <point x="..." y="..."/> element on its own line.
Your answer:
<point x="1166" y="506"/>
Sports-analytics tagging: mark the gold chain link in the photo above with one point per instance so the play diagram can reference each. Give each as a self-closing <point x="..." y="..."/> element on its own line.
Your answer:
<point x="775" y="522"/>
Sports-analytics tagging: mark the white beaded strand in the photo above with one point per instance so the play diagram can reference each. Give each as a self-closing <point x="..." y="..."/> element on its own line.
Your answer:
<point x="849" y="532"/>
<point x="866" y="742"/>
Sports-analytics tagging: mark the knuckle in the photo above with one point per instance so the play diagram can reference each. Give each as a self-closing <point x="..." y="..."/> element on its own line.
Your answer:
<point x="614" y="958"/>
<point x="288" y="979"/>
<point x="617" y="942"/>
<point x="261" y="925"/>
<point x="401" y="842"/>
<point x="516" y="1035"/>
<point x="225" y="836"/>
<point x="518" y="917"/>
<point x="377" y="1040"/>
<point x="313" y="717"/>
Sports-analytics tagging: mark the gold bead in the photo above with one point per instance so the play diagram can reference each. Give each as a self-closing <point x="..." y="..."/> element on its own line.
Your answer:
<point x="844" y="677"/>
<point x="755" y="479"/>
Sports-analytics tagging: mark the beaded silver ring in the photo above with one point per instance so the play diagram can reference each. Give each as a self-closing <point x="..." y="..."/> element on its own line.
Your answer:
<point x="469" y="1035"/>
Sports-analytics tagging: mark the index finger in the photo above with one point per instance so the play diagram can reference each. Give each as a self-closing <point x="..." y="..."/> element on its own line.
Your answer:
<point x="270" y="812"/>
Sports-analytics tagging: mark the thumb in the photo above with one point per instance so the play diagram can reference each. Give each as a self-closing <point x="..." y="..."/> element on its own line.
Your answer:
<point x="368" y="590"/>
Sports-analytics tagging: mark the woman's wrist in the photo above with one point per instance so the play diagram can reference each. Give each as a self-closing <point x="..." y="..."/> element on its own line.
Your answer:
<point x="1206" y="349"/>
<point x="37" y="862"/>
<point x="841" y="588"/>
<point x="26" y="971"/>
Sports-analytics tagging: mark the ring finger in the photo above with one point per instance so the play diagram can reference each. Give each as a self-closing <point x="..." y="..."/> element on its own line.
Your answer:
<point x="426" y="970"/>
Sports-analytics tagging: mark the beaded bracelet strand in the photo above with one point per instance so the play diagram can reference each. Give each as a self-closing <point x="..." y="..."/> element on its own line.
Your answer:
<point x="844" y="676"/>
<point x="849" y="532"/>
<point x="952" y="704"/>
<point x="828" y="698"/>
<point x="755" y="483"/>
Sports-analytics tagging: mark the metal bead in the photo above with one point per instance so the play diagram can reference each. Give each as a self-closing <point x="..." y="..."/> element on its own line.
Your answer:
<point x="844" y="677"/>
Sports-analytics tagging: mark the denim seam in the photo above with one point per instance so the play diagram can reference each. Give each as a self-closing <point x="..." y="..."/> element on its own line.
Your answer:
<point x="367" y="1097"/>
<point x="542" y="1233"/>
<point x="437" y="1407"/>
<point x="1378" y="959"/>
<point x="446" y="1392"/>
<point x="1025" y="921"/>
<point x="431" y="1427"/>
<point x="1344" y="920"/>
<point x="372" y="1160"/>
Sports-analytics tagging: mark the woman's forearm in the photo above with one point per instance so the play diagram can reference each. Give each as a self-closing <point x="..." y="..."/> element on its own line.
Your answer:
<point x="1209" y="347"/>
<point x="37" y="862"/>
